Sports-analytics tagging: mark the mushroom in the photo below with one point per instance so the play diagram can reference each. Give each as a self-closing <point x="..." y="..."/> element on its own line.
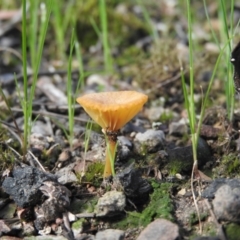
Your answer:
<point x="112" y="110"/>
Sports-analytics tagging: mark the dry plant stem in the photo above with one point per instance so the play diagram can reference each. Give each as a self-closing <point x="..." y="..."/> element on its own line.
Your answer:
<point x="110" y="154"/>
<point x="194" y="170"/>
<point x="40" y="165"/>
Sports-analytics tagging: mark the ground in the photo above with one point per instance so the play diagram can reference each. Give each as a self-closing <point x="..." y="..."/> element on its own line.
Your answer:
<point x="61" y="169"/>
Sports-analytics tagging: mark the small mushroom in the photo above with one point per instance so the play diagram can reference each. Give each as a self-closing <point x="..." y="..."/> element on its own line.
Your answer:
<point x="112" y="110"/>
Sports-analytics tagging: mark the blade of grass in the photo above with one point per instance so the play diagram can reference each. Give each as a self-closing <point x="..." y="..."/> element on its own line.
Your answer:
<point x="86" y="144"/>
<point x="230" y="91"/>
<point x="191" y="111"/>
<point x="29" y="96"/>
<point x="58" y="27"/>
<point x="147" y="18"/>
<point x="33" y="31"/>
<point x="81" y="67"/>
<point x="70" y="91"/>
<point x="25" y="81"/>
<point x="104" y="28"/>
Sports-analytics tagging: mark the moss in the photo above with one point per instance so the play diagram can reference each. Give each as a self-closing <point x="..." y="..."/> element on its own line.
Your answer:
<point x="78" y="224"/>
<point x="143" y="149"/>
<point x="231" y="163"/>
<point x="232" y="231"/>
<point x="7" y="157"/>
<point x="94" y="173"/>
<point x="174" y="167"/>
<point x="160" y="206"/>
<point x="129" y="56"/>
<point x="177" y="166"/>
<point x="166" y="116"/>
<point x="83" y="205"/>
<point x="193" y="218"/>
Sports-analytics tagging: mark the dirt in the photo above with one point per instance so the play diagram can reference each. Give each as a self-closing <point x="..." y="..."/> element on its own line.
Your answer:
<point x="54" y="188"/>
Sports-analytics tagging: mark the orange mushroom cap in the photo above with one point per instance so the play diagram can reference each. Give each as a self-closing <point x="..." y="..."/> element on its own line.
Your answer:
<point x="112" y="110"/>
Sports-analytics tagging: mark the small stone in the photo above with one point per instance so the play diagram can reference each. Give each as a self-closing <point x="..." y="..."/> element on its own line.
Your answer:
<point x="110" y="203"/>
<point x="210" y="191"/>
<point x="110" y="234"/>
<point x="178" y="128"/>
<point x="160" y="229"/>
<point x="226" y="204"/>
<point x="4" y="227"/>
<point x="151" y="140"/>
<point x="182" y="192"/>
<point x="125" y="147"/>
<point x="66" y="175"/>
<point x="155" y="113"/>
<point x="39" y="141"/>
<point x="181" y="158"/>
<point x="133" y="183"/>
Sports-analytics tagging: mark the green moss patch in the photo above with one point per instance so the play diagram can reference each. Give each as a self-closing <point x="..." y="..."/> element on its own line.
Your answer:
<point x="94" y="173"/>
<point x="160" y="206"/>
<point x="232" y="231"/>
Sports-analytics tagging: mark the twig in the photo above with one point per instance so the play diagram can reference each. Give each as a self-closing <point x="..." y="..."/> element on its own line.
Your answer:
<point x="13" y="132"/>
<point x="50" y="114"/>
<point x="19" y="76"/>
<point x="85" y="215"/>
<point x="194" y="169"/>
<point x="40" y="165"/>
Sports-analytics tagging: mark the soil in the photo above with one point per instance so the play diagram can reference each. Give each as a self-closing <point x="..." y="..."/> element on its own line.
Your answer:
<point x="56" y="188"/>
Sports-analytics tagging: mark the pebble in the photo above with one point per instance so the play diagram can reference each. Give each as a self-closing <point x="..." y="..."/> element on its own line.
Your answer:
<point x="210" y="191"/>
<point x="160" y="229"/>
<point x="226" y="203"/>
<point x="125" y="147"/>
<point x="152" y="140"/>
<point x="178" y="128"/>
<point x="111" y="203"/>
<point x="110" y="234"/>
<point x="66" y="175"/>
<point x="133" y="183"/>
<point x="155" y="113"/>
<point x="183" y="156"/>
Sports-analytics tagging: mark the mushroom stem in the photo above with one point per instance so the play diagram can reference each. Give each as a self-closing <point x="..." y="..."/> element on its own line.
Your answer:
<point x="110" y="157"/>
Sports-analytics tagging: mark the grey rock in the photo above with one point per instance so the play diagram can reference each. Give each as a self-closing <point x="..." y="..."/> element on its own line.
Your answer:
<point x="24" y="186"/>
<point x="124" y="149"/>
<point x="66" y="175"/>
<point x="160" y="229"/>
<point x="226" y="203"/>
<point x="183" y="156"/>
<point x="151" y="140"/>
<point x="38" y="140"/>
<point x="210" y="191"/>
<point x="178" y="128"/>
<point x="110" y="234"/>
<point x="111" y="203"/>
<point x="123" y="141"/>
<point x="133" y="183"/>
<point x="85" y="236"/>
<point x="155" y="113"/>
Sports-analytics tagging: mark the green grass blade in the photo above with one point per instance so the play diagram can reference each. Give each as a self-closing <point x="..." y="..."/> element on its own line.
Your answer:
<point x="104" y="28"/>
